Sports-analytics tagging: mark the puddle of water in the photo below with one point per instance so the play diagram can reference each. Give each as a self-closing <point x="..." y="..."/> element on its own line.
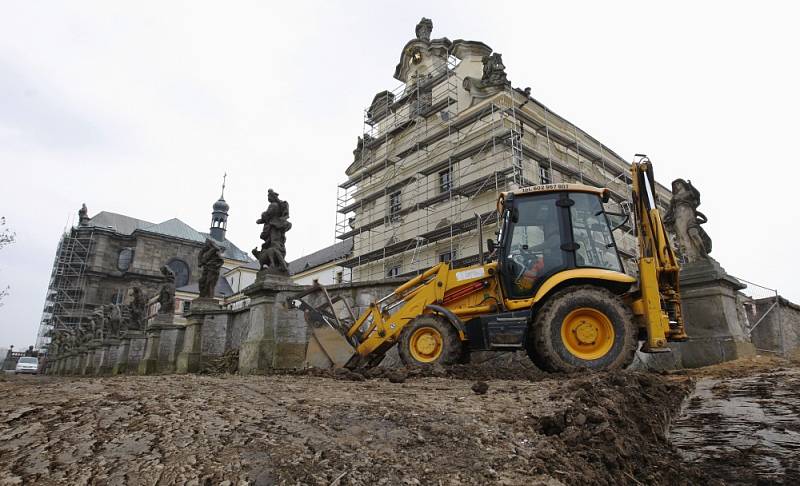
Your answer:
<point x="748" y="428"/>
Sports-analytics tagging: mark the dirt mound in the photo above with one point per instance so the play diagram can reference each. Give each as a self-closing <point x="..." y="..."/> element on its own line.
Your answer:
<point x="612" y="431"/>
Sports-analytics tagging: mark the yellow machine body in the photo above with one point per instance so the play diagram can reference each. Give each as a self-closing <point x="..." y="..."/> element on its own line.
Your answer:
<point x="458" y="295"/>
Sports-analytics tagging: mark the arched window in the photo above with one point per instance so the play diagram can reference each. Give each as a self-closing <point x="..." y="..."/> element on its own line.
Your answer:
<point x="181" y="270"/>
<point x="124" y="259"/>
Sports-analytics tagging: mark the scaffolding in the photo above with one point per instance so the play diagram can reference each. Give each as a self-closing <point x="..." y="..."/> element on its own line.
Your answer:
<point x="64" y="306"/>
<point x="428" y="166"/>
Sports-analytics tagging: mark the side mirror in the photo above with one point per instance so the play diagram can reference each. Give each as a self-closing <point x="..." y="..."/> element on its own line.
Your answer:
<point x="491" y="245"/>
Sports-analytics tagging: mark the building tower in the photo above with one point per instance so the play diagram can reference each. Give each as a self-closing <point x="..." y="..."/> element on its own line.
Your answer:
<point x="219" y="215"/>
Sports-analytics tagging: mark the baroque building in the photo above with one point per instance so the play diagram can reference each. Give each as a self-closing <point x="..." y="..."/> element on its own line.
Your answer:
<point x="437" y="151"/>
<point x="102" y="257"/>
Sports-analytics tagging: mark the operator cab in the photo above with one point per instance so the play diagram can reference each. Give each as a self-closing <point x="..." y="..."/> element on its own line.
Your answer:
<point x="550" y="228"/>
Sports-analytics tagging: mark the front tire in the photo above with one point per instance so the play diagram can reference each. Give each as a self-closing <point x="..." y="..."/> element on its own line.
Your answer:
<point x="427" y="340"/>
<point x="583" y="327"/>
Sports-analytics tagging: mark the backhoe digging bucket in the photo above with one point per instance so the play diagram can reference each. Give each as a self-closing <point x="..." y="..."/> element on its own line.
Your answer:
<point x="327" y="347"/>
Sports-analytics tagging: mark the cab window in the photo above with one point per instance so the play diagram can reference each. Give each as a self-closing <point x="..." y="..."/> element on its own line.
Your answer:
<point x="534" y="250"/>
<point x="595" y="243"/>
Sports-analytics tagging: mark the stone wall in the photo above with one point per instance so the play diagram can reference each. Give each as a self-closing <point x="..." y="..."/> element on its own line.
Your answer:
<point x="777" y="327"/>
<point x="238" y="327"/>
<point x="281" y="333"/>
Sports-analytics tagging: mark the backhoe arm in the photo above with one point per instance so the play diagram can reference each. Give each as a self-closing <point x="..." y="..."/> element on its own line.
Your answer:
<point x="660" y="305"/>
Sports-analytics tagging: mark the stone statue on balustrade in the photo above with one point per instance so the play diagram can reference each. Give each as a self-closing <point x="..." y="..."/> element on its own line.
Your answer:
<point x="166" y="295"/>
<point x="99" y="323"/>
<point x="136" y="304"/>
<point x="275" y="221"/>
<point x="685" y="222"/>
<point x="57" y="343"/>
<point x="210" y="262"/>
<point x="116" y="320"/>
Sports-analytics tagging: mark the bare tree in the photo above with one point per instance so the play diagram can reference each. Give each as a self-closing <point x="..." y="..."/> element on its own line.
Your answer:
<point x="7" y="237"/>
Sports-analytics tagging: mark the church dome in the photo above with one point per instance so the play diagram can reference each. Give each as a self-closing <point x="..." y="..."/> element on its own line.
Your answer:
<point x="221" y="205"/>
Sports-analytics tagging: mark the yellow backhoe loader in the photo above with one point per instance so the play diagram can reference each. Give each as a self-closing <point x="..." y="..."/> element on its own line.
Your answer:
<point x="553" y="284"/>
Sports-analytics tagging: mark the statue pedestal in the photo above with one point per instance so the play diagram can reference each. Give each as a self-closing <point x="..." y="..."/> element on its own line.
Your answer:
<point x="136" y="350"/>
<point x="53" y="364"/>
<point x="76" y="361"/>
<point x="277" y="336"/>
<point x="108" y="356"/>
<point x="149" y="362"/>
<point x="189" y="359"/>
<point x="69" y="366"/>
<point x="123" y="351"/>
<point x="170" y="345"/>
<point x="131" y="352"/>
<point x="89" y="359"/>
<point x="712" y="315"/>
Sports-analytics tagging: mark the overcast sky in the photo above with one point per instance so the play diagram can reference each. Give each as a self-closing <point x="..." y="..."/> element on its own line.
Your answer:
<point x="139" y="107"/>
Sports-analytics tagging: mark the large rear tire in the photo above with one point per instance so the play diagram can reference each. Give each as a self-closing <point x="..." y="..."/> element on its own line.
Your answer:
<point x="427" y="340"/>
<point x="583" y="327"/>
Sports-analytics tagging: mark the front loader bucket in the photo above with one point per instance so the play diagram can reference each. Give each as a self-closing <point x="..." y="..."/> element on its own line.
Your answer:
<point x="327" y="347"/>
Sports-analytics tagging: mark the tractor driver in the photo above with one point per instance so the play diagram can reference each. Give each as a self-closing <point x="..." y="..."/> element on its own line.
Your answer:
<point x="542" y="256"/>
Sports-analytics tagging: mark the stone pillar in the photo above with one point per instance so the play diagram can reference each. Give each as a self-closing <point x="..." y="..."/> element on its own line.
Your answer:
<point x="98" y="353"/>
<point x="69" y="361"/>
<point x="214" y="336"/>
<point x="170" y="345"/>
<point x="76" y="362"/>
<point x="712" y="316"/>
<point x="138" y="342"/>
<point x="149" y="363"/>
<point x="189" y="359"/>
<point x="52" y="364"/>
<point x="89" y="359"/>
<point x="123" y="351"/>
<point x="277" y="337"/>
<point x="108" y="356"/>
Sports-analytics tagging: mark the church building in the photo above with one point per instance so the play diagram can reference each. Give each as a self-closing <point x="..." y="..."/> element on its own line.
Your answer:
<point x="102" y="257"/>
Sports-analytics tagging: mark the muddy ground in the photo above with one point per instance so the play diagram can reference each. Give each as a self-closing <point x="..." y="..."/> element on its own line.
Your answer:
<point x="742" y="421"/>
<point x="461" y="425"/>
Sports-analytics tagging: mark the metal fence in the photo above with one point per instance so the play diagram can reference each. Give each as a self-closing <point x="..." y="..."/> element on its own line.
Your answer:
<point x="763" y="310"/>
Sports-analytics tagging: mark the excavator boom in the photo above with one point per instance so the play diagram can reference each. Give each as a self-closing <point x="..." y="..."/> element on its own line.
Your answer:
<point x="660" y="304"/>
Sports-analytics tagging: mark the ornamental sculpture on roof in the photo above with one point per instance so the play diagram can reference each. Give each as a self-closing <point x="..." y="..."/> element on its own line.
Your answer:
<point x="424" y="29"/>
<point x="493" y="80"/>
<point x="494" y="71"/>
<point x="83" y="215"/>
<point x="275" y="219"/>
